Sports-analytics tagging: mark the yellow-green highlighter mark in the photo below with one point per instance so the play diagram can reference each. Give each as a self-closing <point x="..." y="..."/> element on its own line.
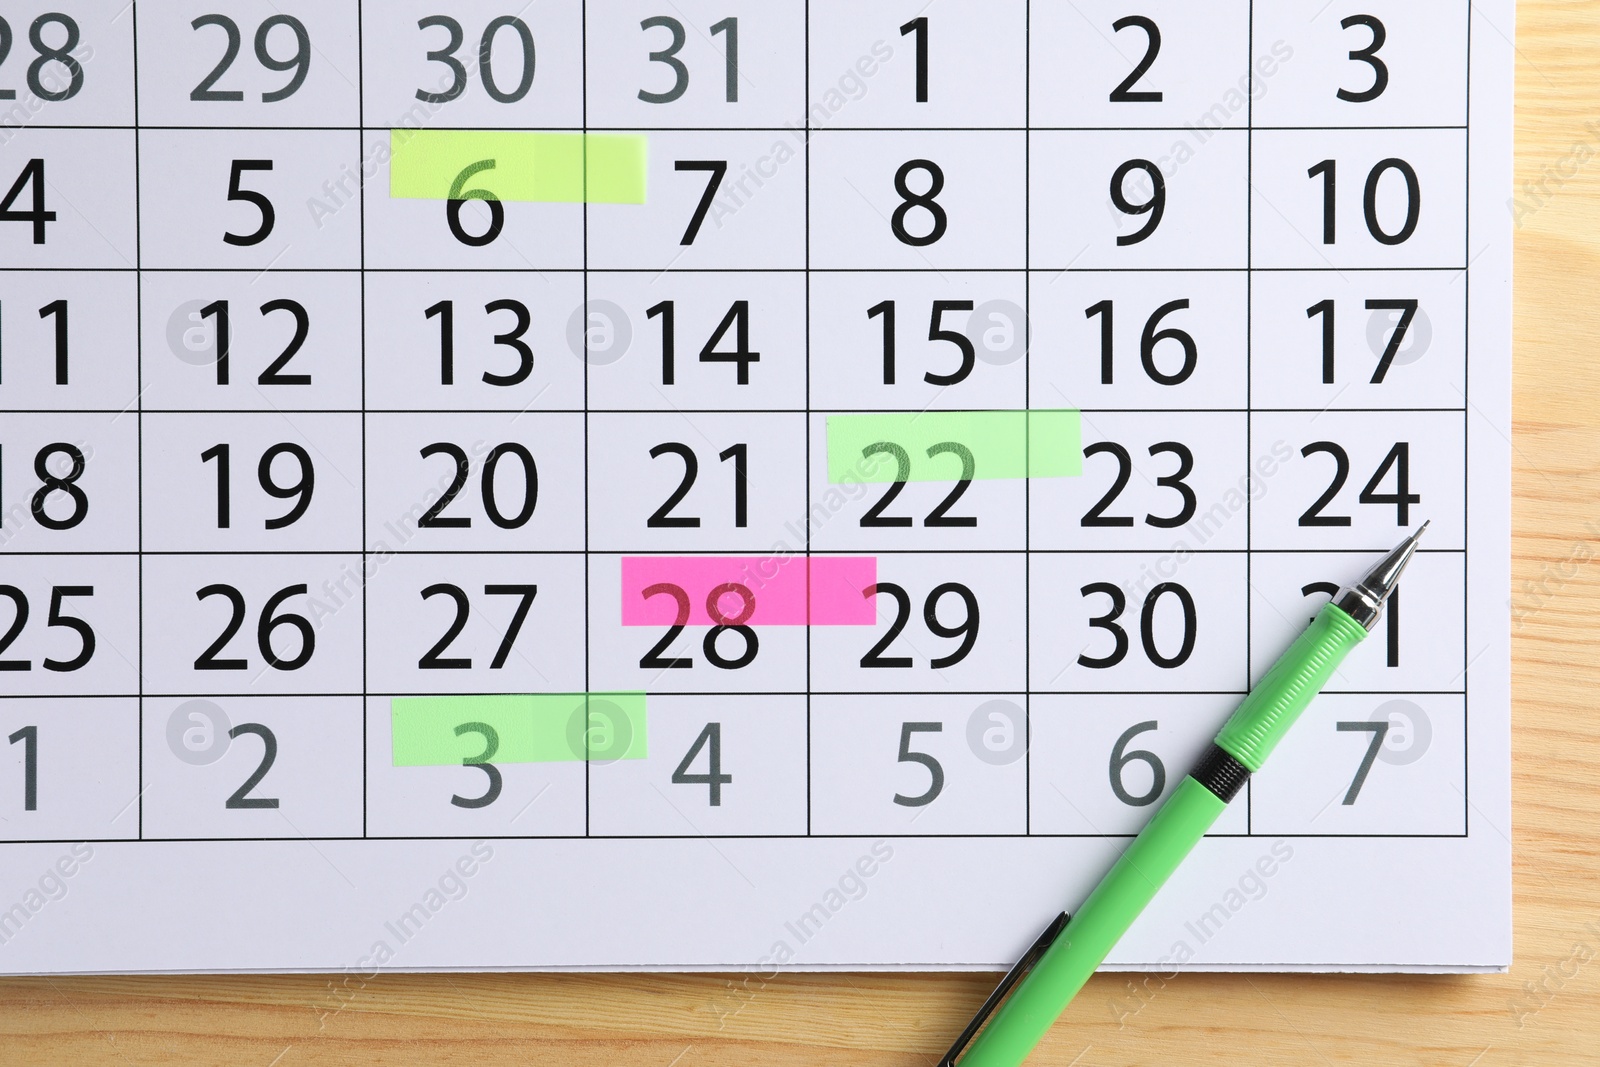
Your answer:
<point x="552" y="168"/>
<point x="942" y="446"/>
<point x="521" y="728"/>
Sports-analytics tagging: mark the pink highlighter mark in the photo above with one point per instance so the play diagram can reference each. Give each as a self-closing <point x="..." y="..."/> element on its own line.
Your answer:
<point x="748" y="590"/>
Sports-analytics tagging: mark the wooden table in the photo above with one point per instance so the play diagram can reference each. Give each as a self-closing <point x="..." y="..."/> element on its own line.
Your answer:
<point x="1547" y="1010"/>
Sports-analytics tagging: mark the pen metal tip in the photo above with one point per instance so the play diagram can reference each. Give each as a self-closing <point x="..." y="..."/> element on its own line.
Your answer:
<point x="1364" y="601"/>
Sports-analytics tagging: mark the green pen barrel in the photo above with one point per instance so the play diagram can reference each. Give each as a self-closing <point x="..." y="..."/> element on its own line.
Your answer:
<point x="1252" y="732"/>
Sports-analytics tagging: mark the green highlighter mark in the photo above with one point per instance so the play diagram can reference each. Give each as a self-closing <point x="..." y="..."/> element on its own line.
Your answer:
<point x="942" y="446"/>
<point x="524" y="728"/>
<point x="561" y="168"/>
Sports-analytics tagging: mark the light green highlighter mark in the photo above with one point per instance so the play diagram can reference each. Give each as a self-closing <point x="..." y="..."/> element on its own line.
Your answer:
<point x="436" y="731"/>
<point x="562" y="168"/>
<point x="998" y="444"/>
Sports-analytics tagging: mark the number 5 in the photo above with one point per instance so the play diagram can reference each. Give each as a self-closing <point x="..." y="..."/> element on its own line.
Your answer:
<point x="935" y="771"/>
<point x="269" y="217"/>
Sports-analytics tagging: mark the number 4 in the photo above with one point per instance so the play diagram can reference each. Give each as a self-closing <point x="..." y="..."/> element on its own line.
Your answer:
<point x="32" y="174"/>
<point x="710" y="739"/>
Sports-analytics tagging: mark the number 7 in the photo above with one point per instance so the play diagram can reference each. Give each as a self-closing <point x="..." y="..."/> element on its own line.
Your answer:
<point x="716" y="168"/>
<point x="1378" y="730"/>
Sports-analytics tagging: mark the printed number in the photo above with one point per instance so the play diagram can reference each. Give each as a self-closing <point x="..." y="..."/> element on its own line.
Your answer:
<point x="936" y="332"/>
<point x="713" y="779"/>
<point x="939" y="516"/>
<point x="1397" y="334"/>
<point x="1147" y="625"/>
<point x="459" y="194"/>
<point x="680" y="73"/>
<point x="654" y="660"/>
<point x="1120" y="758"/>
<point x="966" y="629"/>
<point x="29" y="737"/>
<point x="925" y="200"/>
<point x="1148" y="340"/>
<point x="1096" y="516"/>
<point x="269" y="217"/>
<point x="662" y="517"/>
<point x="434" y="660"/>
<point x="273" y="375"/>
<point x="1327" y="170"/>
<point x="1124" y="93"/>
<point x="717" y="168"/>
<point x="918" y="27"/>
<point x="1369" y="56"/>
<point x="46" y="54"/>
<point x="1378" y="730"/>
<point x="1398" y="459"/>
<point x="458" y="72"/>
<point x="444" y="311"/>
<point x="434" y="518"/>
<point x="737" y="319"/>
<point x="32" y="176"/>
<point x="935" y="770"/>
<point x="269" y="621"/>
<point x="491" y="745"/>
<point x="1391" y="616"/>
<point x="241" y="797"/>
<point x="50" y="483"/>
<point x="58" y="309"/>
<point x="299" y="62"/>
<point x="300" y="492"/>
<point x="1155" y="207"/>
<point x="19" y="620"/>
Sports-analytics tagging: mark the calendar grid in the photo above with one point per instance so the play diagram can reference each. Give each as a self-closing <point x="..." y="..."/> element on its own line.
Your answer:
<point x="361" y="206"/>
<point x="1027" y="405"/>
<point x="1466" y="434"/>
<point x="138" y="384"/>
<point x="806" y="149"/>
<point x="1249" y="371"/>
<point x="588" y="780"/>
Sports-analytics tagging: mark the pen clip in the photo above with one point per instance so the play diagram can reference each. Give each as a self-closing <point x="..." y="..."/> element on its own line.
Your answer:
<point x="1013" y="976"/>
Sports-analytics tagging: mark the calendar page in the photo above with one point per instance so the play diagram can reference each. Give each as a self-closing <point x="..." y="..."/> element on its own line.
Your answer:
<point x="744" y="485"/>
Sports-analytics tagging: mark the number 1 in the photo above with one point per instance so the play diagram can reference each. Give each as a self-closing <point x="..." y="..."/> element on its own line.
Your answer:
<point x="29" y="736"/>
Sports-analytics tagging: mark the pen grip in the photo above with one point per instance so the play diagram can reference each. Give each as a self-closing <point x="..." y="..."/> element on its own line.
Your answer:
<point x="1260" y="722"/>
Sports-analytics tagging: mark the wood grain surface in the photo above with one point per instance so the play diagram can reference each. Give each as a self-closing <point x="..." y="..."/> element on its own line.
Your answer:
<point x="1547" y="1010"/>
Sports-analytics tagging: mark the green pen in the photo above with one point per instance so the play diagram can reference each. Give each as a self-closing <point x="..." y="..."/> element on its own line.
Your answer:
<point x="1050" y="974"/>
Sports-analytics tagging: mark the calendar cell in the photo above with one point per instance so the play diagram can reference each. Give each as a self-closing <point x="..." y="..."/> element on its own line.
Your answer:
<point x="915" y="341"/>
<point x="1368" y="764"/>
<point x="1358" y="481"/>
<point x="70" y="64"/>
<point x="1137" y="199"/>
<point x="1168" y="64"/>
<point x="68" y="340"/>
<point x="249" y="199"/>
<point x="70" y="770"/>
<point x="252" y="767"/>
<point x="257" y="624"/>
<point x="1330" y="339"/>
<point x="498" y="623"/>
<point x="695" y="64"/>
<point x="406" y="234"/>
<point x="473" y="342"/>
<point x="264" y="483"/>
<point x="68" y="199"/>
<point x="533" y="799"/>
<point x="717" y="766"/>
<point x="71" y="625"/>
<point x="1177" y="485"/>
<point x="684" y="658"/>
<point x="708" y="340"/>
<point x="917" y="200"/>
<point x="899" y="65"/>
<point x="1156" y="622"/>
<point x="69" y="483"/>
<point x="1389" y="63"/>
<point x="227" y="340"/>
<point x="472" y="65"/>
<point x="1419" y="645"/>
<point x="945" y="623"/>
<point x="1103" y="764"/>
<point x="1152" y="339"/>
<point x="1346" y="199"/>
<point x="717" y="482"/>
<point x="717" y="200"/>
<point x="463" y="482"/>
<point x="868" y="511"/>
<point x="906" y="765"/>
<point x="249" y="63"/>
